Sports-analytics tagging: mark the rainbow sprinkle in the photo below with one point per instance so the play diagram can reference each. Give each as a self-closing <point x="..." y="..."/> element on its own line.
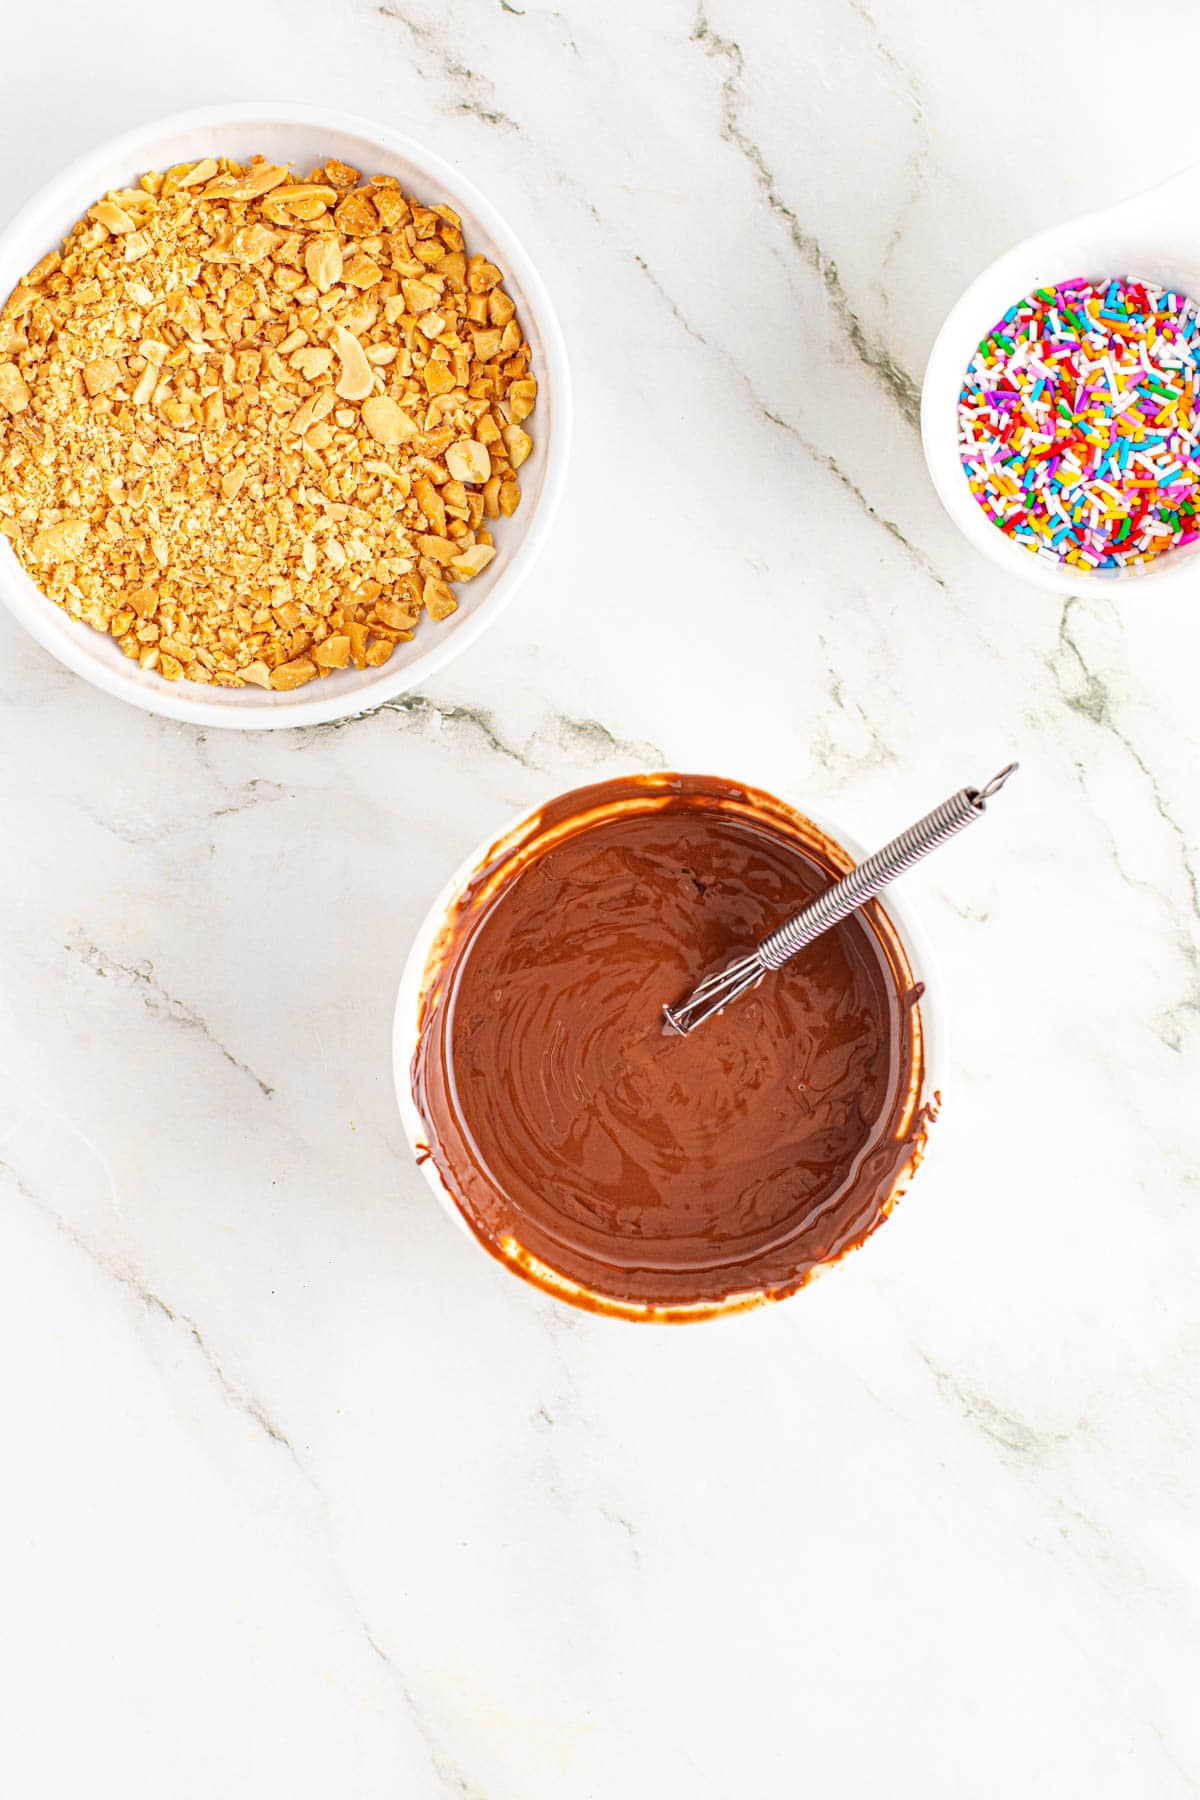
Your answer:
<point x="1079" y="424"/>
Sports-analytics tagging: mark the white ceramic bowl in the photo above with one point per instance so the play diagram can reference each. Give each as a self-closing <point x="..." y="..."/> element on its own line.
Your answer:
<point x="1152" y="236"/>
<point x="406" y="1031"/>
<point x="305" y="136"/>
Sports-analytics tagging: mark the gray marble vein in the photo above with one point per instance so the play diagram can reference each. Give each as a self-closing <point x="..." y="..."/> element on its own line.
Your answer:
<point x="557" y="736"/>
<point x="823" y="459"/>
<point x="143" y="824"/>
<point x="909" y="85"/>
<point x="471" y="94"/>
<point x="829" y="755"/>
<point x="1086" y="693"/>
<point x="887" y="371"/>
<point x="140" y="978"/>
<point x="1014" y="1436"/>
<point x="127" y="1277"/>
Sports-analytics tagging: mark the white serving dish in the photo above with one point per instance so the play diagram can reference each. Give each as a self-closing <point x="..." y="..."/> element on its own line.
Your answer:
<point x="305" y="136"/>
<point x="406" y="1031"/>
<point x="1151" y="237"/>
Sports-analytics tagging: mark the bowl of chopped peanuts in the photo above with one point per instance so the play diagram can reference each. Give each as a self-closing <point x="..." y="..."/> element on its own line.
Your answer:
<point x="285" y="413"/>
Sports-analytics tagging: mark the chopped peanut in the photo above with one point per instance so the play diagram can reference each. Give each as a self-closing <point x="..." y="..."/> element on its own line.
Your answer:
<point x="323" y="262"/>
<point x="14" y="394"/>
<point x="469" y="461"/>
<point x="387" y="422"/>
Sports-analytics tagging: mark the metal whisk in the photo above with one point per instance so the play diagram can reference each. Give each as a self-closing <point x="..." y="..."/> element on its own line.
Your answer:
<point x="844" y="897"/>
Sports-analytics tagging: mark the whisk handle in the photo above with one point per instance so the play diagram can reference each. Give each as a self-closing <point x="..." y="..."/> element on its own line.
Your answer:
<point x="877" y="871"/>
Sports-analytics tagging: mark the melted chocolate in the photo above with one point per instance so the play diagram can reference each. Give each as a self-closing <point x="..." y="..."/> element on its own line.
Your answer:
<point x="659" y="1172"/>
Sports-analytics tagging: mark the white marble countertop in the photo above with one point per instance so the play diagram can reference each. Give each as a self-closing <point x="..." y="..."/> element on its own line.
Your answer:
<point x="303" y="1497"/>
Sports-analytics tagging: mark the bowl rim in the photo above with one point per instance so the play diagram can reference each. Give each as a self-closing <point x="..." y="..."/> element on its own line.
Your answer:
<point x="52" y="628"/>
<point x="405" y="1035"/>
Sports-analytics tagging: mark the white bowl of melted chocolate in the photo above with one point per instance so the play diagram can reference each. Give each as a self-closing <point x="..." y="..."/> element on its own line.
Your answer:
<point x="612" y="1163"/>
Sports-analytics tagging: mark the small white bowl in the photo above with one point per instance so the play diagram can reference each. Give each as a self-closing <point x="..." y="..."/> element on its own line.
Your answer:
<point x="406" y="1033"/>
<point x="305" y="136"/>
<point x="1152" y="236"/>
